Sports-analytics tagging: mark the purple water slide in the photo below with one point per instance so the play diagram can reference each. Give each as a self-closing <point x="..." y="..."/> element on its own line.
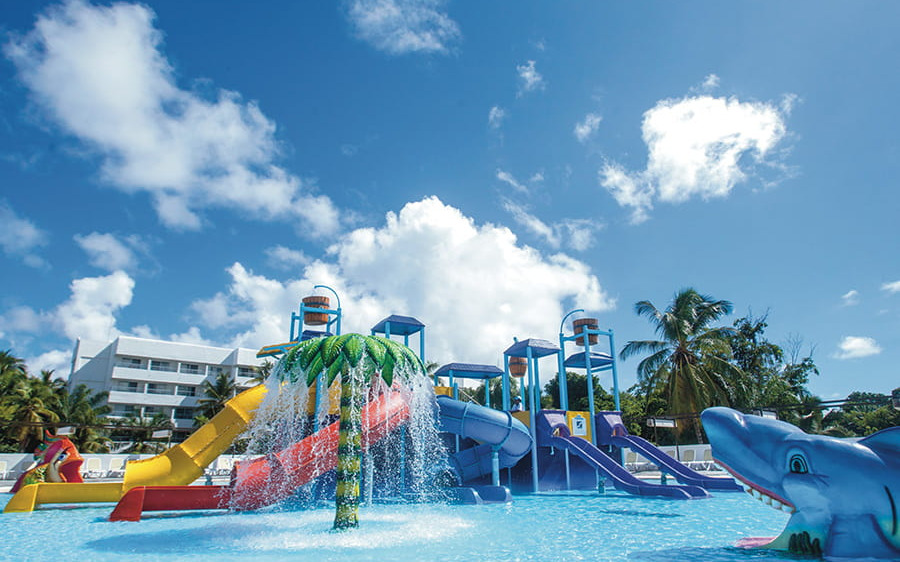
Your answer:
<point x="555" y="432"/>
<point x="493" y="429"/>
<point x="682" y="473"/>
<point x="611" y="431"/>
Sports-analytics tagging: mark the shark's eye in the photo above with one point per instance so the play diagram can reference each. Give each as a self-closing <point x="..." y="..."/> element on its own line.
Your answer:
<point x="798" y="465"/>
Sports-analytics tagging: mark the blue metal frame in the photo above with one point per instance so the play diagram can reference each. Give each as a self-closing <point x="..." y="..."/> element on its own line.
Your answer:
<point x="406" y="326"/>
<point x="588" y="367"/>
<point x="533" y="349"/>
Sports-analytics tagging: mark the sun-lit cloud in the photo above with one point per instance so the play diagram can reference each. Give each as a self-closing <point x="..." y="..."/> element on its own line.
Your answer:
<point x="404" y="26"/>
<point x="495" y="117"/>
<point x="586" y="128"/>
<point x="20" y="238"/>
<point x="892" y="287"/>
<point x="529" y="78"/>
<point x="463" y="280"/>
<point x="511" y="181"/>
<point x="577" y="234"/>
<point x="110" y="252"/>
<point x="282" y="257"/>
<point x="854" y="347"/>
<point x="698" y="146"/>
<point x="100" y="76"/>
<point x="850" y="298"/>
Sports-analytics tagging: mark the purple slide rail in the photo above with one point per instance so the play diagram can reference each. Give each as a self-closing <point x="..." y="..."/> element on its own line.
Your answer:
<point x="492" y="428"/>
<point x="666" y="463"/>
<point x="553" y="427"/>
<point x="611" y="431"/>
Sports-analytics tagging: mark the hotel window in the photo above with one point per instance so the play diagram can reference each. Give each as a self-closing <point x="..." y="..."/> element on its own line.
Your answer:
<point x="246" y="371"/>
<point x="156" y="365"/>
<point x="130" y="362"/>
<point x="126" y="386"/>
<point x="186" y="390"/>
<point x="157" y="388"/>
<point x="189" y="368"/>
<point x="184" y="413"/>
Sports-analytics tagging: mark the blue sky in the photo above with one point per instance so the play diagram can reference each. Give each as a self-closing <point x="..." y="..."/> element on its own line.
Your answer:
<point x="188" y="171"/>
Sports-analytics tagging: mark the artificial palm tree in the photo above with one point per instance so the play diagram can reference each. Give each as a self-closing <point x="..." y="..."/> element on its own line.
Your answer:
<point x="356" y="358"/>
<point x="690" y="361"/>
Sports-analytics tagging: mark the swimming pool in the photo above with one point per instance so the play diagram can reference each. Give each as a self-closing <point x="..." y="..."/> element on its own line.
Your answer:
<point x="546" y="526"/>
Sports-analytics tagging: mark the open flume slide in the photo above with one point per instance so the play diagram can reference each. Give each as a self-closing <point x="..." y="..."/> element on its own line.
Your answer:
<point x="270" y="479"/>
<point x="554" y="431"/>
<point x="492" y="428"/>
<point x="611" y="431"/>
<point x="681" y="472"/>
<point x="178" y="465"/>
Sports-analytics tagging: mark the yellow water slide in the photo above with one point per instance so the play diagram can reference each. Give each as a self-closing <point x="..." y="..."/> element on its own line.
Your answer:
<point x="177" y="466"/>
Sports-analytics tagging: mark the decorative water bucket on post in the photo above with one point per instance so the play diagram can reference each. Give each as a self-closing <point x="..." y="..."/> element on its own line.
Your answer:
<point x="579" y="327"/>
<point x="518" y="366"/>
<point x="315" y="318"/>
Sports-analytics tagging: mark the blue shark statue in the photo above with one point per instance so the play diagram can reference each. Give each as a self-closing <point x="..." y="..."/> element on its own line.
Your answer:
<point x="844" y="495"/>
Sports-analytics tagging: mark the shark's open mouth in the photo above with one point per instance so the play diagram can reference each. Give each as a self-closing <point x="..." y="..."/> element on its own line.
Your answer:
<point x="767" y="497"/>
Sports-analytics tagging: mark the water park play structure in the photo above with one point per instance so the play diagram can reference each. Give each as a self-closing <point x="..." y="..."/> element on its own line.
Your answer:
<point x="490" y="450"/>
<point x="843" y="495"/>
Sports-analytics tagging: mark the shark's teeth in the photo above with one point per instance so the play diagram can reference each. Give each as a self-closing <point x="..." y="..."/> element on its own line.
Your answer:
<point x="775" y="503"/>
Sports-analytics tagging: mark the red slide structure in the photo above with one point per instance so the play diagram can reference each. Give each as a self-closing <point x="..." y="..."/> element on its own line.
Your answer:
<point x="268" y="479"/>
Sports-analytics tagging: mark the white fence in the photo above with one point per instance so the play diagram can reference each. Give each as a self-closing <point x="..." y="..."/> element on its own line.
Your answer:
<point x="101" y="466"/>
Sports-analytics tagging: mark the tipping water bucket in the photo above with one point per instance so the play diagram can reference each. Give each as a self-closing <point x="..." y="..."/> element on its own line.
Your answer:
<point x="518" y="366"/>
<point x="579" y="327"/>
<point x="315" y="318"/>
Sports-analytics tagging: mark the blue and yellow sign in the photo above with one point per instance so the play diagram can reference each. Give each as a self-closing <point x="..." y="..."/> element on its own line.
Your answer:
<point x="579" y="424"/>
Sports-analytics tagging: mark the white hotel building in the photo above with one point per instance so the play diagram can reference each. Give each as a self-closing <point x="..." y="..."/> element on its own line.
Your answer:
<point x="145" y="377"/>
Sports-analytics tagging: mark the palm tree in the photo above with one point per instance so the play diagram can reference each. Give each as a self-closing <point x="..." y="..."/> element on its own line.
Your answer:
<point x="356" y="358"/>
<point x="85" y="410"/>
<point x="218" y="392"/>
<point x="690" y="361"/>
<point x="29" y="407"/>
<point x="140" y="432"/>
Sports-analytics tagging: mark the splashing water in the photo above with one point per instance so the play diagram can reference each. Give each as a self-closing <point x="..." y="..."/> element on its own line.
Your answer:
<point x="402" y="466"/>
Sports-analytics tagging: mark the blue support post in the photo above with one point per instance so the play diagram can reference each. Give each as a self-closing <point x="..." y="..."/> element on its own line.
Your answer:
<point x="505" y="397"/>
<point x="561" y="375"/>
<point x="615" y="374"/>
<point x="532" y="416"/>
<point x="585" y="333"/>
<point x="495" y="465"/>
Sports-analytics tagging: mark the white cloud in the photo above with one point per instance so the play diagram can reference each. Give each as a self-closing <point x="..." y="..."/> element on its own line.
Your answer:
<point x="577" y="234"/>
<point x="710" y="83"/>
<point x="853" y="347"/>
<point x="850" y="298"/>
<point x="57" y="360"/>
<point x="586" y="128"/>
<point x="108" y="252"/>
<point x="495" y="117"/>
<point x="510" y="180"/>
<point x="698" y="147"/>
<point x="100" y="75"/>
<point x="91" y="309"/>
<point x="529" y="78"/>
<point x="20" y="237"/>
<point x="283" y="257"/>
<point x="892" y="287"/>
<point x="404" y="26"/>
<point x="464" y="281"/>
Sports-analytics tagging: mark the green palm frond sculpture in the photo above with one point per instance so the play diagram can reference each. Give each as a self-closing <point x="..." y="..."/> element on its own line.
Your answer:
<point x="357" y="359"/>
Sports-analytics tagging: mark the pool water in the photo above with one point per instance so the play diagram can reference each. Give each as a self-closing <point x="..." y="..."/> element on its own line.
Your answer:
<point x="546" y="526"/>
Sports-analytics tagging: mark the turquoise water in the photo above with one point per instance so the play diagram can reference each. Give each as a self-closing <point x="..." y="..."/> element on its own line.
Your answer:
<point x="547" y="526"/>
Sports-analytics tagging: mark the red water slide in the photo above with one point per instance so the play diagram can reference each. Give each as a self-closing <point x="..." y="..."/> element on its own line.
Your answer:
<point x="270" y="479"/>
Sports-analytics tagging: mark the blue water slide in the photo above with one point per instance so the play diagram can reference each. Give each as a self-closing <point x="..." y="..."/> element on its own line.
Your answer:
<point x="554" y="431"/>
<point x="495" y="430"/>
<point x="611" y="431"/>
